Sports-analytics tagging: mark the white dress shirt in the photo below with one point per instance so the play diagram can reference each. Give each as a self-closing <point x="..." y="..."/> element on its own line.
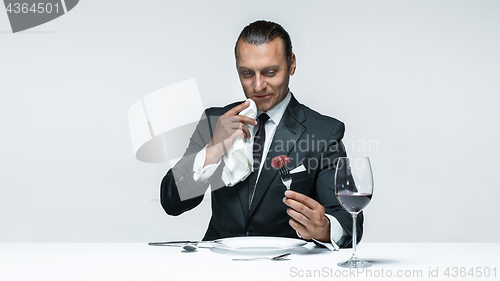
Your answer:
<point x="204" y="174"/>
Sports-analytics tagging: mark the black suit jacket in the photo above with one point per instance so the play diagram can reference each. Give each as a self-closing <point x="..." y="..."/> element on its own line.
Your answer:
<point x="307" y="137"/>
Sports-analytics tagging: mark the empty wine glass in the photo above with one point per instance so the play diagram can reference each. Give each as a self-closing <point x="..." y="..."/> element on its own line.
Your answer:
<point x="354" y="189"/>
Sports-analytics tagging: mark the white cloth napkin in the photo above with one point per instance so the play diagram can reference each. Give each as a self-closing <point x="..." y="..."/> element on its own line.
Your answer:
<point x="239" y="157"/>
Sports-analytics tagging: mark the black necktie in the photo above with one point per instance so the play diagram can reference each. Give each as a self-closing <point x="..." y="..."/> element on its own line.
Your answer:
<point x="258" y="147"/>
<point x="258" y="141"/>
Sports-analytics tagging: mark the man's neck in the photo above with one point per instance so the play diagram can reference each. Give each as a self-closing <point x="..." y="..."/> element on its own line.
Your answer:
<point x="276" y="112"/>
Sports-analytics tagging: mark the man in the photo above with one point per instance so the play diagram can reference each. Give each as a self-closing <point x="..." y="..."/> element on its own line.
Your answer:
<point x="255" y="206"/>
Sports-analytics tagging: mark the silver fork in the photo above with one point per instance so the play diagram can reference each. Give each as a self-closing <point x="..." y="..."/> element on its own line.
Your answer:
<point x="286" y="178"/>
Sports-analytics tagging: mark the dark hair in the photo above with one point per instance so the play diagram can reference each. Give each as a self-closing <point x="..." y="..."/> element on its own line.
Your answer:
<point x="261" y="32"/>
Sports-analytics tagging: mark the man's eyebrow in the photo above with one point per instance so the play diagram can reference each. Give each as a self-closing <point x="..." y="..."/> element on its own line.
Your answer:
<point x="264" y="69"/>
<point x="271" y="67"/>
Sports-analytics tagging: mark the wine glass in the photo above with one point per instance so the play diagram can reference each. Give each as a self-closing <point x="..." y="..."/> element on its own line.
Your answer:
<point x="354" y="189"/>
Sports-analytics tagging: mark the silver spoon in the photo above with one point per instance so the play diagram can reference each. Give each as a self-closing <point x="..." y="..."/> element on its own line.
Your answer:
<point x="276" y="258"/>
<point x="190" y="247"/>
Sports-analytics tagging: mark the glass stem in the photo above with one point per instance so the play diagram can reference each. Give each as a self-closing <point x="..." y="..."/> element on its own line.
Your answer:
<point x="354" y="217"/>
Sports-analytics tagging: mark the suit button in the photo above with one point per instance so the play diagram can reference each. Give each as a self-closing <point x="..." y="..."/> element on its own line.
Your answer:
<point x="247" y="233"/>
<point x="182" y="178"/>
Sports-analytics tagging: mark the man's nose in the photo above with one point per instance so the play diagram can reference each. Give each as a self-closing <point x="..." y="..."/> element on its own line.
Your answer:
<point x="259" y="83"/>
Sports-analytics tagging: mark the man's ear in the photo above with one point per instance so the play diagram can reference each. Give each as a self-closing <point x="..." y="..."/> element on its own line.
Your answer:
<point x="293" y="64"/>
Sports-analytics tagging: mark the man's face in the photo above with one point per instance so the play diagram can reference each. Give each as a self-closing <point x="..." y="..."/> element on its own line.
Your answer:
<point x="263" y="72"/>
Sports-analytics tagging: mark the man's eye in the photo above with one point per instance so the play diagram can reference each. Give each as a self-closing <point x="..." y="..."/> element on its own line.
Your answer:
<point x="247" y="73"/>
<point x="270" y="73"/>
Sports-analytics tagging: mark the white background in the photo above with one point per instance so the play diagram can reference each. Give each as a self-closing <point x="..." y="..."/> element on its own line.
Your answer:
<point x="416" y="82"/>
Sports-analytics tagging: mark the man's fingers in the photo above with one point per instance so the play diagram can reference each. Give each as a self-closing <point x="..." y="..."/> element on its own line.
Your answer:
<point x="301" y="198"/>
<point x="236" y="120"/>
<point x="233" y="112"/>
<point x="298" y="207"/>
<point x="300" y="228"/>
<point x="310" y="209"/>
<point x="246" y="119"/>
<point x="238" y="127"/>
<point x="299" y="217"/>
<point x="307" y="216"/>
<point x="246" y="131"/>
<point x="237" y="109"/>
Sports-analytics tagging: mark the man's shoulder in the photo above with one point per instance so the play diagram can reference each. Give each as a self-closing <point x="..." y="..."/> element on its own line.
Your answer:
<point x="323" y="125"/>
<point x="319" y="118"/>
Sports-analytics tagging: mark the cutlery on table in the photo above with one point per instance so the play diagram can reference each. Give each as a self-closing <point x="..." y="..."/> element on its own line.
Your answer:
<point x="171" y="243"/>
<point x="186" y="245"/>
<point x="276" y="258"/>
<point x="190" y="247"/>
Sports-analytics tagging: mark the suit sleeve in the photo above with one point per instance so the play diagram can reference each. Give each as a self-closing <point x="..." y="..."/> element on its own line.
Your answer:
<point x="326" y="190"/>
<point x="179" y="192"/>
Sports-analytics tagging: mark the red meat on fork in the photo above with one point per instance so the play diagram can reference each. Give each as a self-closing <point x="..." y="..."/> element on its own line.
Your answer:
<point x="280" y="161"/>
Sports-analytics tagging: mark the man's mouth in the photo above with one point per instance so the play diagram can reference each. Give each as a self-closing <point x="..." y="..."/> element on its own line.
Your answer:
<point x="261" y="97"/>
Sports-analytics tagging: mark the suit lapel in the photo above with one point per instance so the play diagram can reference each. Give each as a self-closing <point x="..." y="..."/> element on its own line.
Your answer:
<point x="288" y="131"/>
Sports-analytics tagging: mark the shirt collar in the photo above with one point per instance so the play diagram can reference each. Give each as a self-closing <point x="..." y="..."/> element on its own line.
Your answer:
<point x="277" y="111"/>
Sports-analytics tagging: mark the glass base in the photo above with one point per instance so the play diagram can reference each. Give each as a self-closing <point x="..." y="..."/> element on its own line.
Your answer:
<point x="354" y="262"/>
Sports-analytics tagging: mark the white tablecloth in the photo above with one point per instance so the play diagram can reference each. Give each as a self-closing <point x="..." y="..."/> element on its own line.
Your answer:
<point x="138" y="261"/>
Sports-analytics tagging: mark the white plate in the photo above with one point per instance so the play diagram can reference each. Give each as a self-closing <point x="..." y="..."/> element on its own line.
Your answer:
<point x="257" y="245"/>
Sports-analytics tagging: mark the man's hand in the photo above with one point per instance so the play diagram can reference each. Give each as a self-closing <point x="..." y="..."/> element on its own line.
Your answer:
<point x="307" y="216"/>
<point x="228" y="128"/>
